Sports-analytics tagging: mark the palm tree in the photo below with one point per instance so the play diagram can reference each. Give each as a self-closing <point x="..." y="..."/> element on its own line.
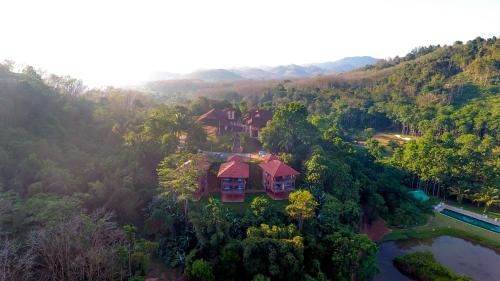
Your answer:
<point x="460" y="192"/>
<point x="489" y="196"/>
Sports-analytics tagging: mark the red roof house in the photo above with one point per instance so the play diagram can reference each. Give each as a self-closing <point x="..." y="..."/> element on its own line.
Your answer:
<point x="256" y="119"/>
<point x="278" y="179"/>
<point x="233" y="176"/>
<point x="223" y="120"/>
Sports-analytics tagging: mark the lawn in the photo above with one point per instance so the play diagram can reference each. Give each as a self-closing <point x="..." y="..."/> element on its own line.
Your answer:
<point x="243" y="206"/>
<point x="443" y="225"/>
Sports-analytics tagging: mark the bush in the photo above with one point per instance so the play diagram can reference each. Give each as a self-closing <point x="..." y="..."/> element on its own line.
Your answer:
<point x="200" y="270"/>
<point x="422" y="266"/>
<point x="260" y="277"/>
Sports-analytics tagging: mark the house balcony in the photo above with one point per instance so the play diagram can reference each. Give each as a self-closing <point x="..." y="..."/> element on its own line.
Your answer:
<point x="283" y="186"/>
<point x="283" y="179"/>
<point x="231" y="189"/>
<point x="233" y="181"/>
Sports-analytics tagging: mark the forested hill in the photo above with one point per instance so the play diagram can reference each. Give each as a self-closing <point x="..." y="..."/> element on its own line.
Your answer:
<point x="55" y="140"/>
<point x="427" y="75"/>
<point x="412" y="93"/>
<point x="94" y="174"/>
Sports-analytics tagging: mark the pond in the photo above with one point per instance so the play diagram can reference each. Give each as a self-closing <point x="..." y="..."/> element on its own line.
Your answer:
<point x="460" y="256"/>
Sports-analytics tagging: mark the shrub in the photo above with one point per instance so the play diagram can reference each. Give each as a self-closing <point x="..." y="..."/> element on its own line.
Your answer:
<point x="200" y="270"/>
<point x="422" y="266"/>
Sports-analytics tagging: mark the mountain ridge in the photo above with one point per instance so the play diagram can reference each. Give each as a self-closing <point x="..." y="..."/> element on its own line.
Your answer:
<point x="265" y="73"/>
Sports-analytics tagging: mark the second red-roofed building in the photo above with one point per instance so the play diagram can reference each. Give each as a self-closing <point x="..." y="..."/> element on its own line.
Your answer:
<point x="233" y="176"/>
<point x="278" y="179"/>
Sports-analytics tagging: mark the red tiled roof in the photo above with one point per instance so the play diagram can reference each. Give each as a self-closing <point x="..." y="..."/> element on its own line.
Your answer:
<point x="235" y="158"/>
<point x="276" y="168"/>
<point x="215" y="114"/>
<point x="257" y="117"/>
<point x="269" y="157"/>
<point x="234" y="169"/>
<point x="203" y="164"/>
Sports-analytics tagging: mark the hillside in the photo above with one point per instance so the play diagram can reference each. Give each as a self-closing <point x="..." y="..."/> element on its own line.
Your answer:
<point x="109" y="176"/>
<point x="446" y="74"/>
<point x="346" y="64"/>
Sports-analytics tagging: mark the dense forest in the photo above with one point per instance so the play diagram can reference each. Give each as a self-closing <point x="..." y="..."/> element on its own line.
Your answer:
<point x="87" y="192"/>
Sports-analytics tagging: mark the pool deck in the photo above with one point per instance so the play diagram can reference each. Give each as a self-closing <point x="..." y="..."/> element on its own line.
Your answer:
<point x="470" y="214"/>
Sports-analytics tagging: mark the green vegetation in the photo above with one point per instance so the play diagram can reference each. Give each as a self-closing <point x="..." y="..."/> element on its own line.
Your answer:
<point x="250" y="145"/>
<point x="70" y="157"/>
<point x="242" y="207"/>
<point x="422" y="266"/>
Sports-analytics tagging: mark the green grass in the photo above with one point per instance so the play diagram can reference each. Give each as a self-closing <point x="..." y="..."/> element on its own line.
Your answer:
<point x="443" y="225"/>
<point x="243" y="206"/>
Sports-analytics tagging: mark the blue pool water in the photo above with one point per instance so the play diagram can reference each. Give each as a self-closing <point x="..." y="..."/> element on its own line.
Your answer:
<point x="471" y="220"/>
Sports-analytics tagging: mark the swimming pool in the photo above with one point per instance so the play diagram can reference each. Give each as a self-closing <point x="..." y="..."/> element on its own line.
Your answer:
<point x="471" y="220"/>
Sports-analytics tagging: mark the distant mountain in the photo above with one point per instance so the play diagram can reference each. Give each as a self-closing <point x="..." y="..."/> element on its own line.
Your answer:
<point x="346" y="64"/>
<point x="164" y="75"/>
<point x="255" y="73"/>
<point x="213" y="75"/>
<point x="277" y="72"/>
<point x="294" y="70"/>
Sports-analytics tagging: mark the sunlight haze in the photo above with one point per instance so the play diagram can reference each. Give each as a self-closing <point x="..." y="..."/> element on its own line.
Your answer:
<point x="122" y="42"/>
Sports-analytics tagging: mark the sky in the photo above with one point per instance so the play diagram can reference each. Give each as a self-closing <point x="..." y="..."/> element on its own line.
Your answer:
<point x="107" y="42"/>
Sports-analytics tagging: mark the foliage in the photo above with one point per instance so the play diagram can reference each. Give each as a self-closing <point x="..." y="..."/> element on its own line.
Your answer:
<point x="200" y="270"/>
<point x="274" y="251"/>
<point x="302" y="206"/>
<point x="289" y="130"/>
<point x="66" y="151"/>
<point x="489" y="196"/>
<point x="178" y="175"/>
<point x="423" y="266"/>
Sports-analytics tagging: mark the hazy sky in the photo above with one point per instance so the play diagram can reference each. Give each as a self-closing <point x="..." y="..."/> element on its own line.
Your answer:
<point x="121" y="42"/>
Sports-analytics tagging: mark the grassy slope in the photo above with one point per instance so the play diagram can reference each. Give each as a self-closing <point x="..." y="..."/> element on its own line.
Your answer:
<point x="443" y="225"/>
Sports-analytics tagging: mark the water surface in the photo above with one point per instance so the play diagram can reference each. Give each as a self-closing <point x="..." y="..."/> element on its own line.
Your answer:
<point x="460" y="256"/>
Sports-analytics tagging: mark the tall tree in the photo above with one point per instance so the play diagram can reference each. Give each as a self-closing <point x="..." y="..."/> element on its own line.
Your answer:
<point x="489" y="196"/>
<point x="302" y="206"/>
<point x="178" y="175"/>
<point x="289" y="131"/>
